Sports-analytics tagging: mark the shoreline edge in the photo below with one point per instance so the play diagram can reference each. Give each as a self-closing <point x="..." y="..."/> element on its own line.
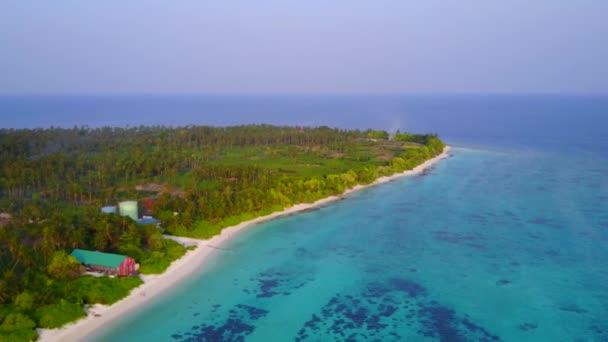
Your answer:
<point x="154" y="285"/>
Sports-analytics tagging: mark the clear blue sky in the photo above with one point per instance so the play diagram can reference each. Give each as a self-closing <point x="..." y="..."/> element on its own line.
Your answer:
<point x="311" y="46"/>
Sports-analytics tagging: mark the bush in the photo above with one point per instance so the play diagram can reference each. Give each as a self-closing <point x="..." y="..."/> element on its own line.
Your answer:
<point x="377" y="134"/>
<point x="21" y="335"/>
<point x="63" y="266"/>
<point x="404" y="136"/>
<point x="200" y="230"/>
<point x="25" y="301"/>
<point x="5" y="310"/>
<point x="16" y="321"/>
<point x="103" y="290"/>
<point x="56" y="315"/>
<point x="17" y="327"/>
<point x="157" y="262"/>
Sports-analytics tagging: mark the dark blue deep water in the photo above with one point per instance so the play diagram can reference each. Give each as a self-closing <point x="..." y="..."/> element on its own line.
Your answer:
<point x="506" y="240"/>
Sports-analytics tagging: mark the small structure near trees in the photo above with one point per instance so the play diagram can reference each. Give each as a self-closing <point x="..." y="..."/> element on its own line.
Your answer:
<point x="148" y="220"/>
<point x="109" y="209"/>
<point x="129" y="208"/>
<point x="115" y="264"/>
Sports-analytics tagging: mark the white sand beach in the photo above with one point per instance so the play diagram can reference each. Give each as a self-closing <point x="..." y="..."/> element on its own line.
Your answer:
<point x="154" y="285"/>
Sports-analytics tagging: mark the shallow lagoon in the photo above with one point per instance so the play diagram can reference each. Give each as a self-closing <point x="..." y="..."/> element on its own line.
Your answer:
<point x="504" y="240"/>
<point x="487" y="245"/>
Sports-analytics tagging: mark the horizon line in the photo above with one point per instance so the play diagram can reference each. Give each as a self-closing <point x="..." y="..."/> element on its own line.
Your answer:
<point x="301" y="94"/>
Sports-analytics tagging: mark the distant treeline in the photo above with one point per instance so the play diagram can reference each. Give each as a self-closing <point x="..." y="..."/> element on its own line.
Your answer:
<point x="80" y="163"/>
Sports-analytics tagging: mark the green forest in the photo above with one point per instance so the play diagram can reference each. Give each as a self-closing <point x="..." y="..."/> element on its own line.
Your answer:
<point x="196" y="180"/>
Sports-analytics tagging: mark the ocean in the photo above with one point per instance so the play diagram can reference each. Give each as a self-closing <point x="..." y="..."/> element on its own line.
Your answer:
<point x="505" y="240"/>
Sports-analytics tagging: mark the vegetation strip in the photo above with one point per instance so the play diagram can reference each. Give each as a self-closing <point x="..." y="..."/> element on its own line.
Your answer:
<point x="54" y="182"/>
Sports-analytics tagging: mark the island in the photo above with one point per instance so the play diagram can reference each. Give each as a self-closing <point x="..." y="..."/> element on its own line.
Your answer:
<point x="94" y="216"/>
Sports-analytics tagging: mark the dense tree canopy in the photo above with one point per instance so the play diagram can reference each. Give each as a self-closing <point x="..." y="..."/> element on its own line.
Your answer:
<point x="196" y="180"/>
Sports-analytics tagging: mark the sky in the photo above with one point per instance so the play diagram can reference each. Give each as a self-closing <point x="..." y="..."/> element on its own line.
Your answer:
<point x="303" y="47"/>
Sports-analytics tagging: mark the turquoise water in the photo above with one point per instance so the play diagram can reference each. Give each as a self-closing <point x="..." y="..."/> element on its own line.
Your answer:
<point x="488" y="245"/>
<point x="506" y="240"/>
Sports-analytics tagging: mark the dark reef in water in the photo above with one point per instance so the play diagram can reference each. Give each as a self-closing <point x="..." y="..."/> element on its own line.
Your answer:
<point x="572" y="308"/>
<point x="472" y="239"/>
<point x="503" y="282"/>
<point x="442" y="323"/>
<point x="411" y="288"/>
<point x="267" y="286"/>
<point x="545" y="222"/>
<point x="527" y="326"/>
<point x="239" y="324"/>
<point x="378" y="312"/>
<point x="274" y="282"/>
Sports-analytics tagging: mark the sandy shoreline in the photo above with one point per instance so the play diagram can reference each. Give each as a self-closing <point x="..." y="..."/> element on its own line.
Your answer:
<point x="154" y="285"/>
